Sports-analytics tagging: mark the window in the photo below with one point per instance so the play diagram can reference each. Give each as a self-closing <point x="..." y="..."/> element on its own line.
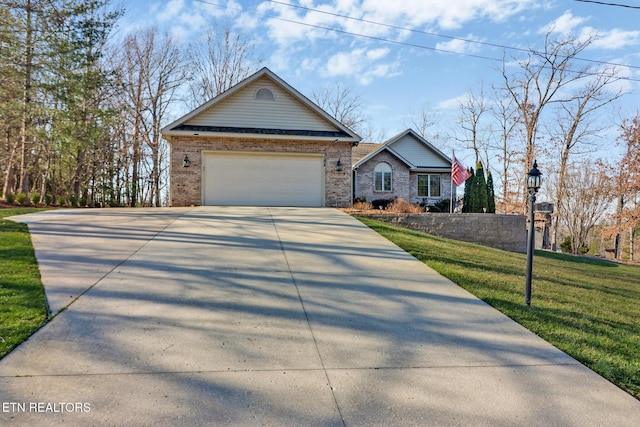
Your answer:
<point x="428" y="185"/>
<point x="382" y="177"/>
<point x="264" y="93"/>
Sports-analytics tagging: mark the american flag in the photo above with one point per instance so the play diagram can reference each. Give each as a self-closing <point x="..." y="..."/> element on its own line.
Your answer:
<point x="459" y="174"/>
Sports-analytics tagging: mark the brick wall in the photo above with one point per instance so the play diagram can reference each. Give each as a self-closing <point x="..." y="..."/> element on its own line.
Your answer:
<point x="445" y="189"/>
<point x="186" y="183"/>
<point x="405" y="183"/>
<point x="508" y="232"/>
<point x="399" y="175"/>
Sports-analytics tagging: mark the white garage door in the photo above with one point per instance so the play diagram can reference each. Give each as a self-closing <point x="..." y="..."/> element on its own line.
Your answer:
<point x="263" y="179"/>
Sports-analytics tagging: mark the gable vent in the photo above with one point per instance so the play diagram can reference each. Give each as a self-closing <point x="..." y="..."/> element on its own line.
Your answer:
<point x="264" y="93"/>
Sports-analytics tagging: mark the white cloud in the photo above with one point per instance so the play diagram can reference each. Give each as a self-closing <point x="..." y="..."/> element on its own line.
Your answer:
<point x="616" y="39"/>
<point x="183" y="20"/>
<point x="247" y="21"/>
<point x="287" y="28"/>
<point x="565" y="24"/>
<point x="379" y="71"/>
<point x="179" y="33"/>
<point x="217" y="9"/>
<point x="171" y="10"/>
<point x="376" y="54"/>
<point x="345" y="63"/>
<point x="289" y="24"/>
<point x="444" y="14"/>
<point x="458" y="45"/>
<point x="612" y="39"/>
<point x="361" y="64"/>
<point x="453" y="103"/>
<point x="309" y="65"/>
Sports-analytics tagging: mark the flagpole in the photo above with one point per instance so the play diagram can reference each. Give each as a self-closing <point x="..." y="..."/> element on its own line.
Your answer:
<point x="451" y="191"/>
<point x="451" y="197"/>
<point x="458" y="176"/>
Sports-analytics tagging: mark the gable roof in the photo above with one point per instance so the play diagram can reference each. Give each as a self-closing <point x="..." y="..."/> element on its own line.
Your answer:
<point x="362" y="150"/>
<point x="238" y="111"/>
<point x="410" y="148"/>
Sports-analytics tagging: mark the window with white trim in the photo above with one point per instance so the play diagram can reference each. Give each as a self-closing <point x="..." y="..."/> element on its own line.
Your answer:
<point x="428" y="185"/>
<point x="382" y="177"/>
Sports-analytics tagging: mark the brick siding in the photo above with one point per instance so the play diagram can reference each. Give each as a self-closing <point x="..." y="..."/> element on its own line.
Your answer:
<point x="404" y="182"/>
<point x="186" y="183"/>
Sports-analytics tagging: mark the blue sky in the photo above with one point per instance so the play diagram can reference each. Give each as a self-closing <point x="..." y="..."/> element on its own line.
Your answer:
<point x="426" y="52"/>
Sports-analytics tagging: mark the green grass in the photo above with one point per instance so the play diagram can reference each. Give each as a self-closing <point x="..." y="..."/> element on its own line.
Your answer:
<point x="588" y="308"/>
<point x="22" y="301"/>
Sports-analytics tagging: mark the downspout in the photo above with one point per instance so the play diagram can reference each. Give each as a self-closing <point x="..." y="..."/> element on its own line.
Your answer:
<point x="354" y="185"/>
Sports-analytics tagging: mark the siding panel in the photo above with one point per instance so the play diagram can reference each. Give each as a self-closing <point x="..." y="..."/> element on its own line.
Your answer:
<point x="243" y="110"/>
<point x="417" y="153"/>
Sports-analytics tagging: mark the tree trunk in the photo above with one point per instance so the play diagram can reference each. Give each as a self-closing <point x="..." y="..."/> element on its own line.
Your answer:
<point x="23" y="184"/>
<point x="617" y="249"/>
<point x="10" y="177"/>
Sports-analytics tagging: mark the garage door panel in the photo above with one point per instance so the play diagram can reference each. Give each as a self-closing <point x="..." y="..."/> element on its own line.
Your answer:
<point x="263" y="179"/>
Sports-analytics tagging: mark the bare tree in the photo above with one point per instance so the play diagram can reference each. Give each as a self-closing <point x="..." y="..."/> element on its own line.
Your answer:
<point x="221" y="61"/>
<point x="627" y="184"/>
<point x="587" y="197"/>
<point x="152" y="72"/>
<point x="423" y="120"/>
<point x="471" y="111"/>
<point x="506" y="117"/>
<point x="543" y="79"/>
<point x="576" y="130"/>
<point x="341" y="103"/>
<point x="164" y="76"/>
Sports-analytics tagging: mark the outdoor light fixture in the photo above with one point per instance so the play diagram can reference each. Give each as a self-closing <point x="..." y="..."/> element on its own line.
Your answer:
<point x="534" y="180"/>
<point x="339" y="165"/>
<point x="186" y="162"/>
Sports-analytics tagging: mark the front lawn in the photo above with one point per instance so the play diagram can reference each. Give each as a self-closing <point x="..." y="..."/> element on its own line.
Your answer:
<point x="588" y="308"/>
<point x="22" y="301"/>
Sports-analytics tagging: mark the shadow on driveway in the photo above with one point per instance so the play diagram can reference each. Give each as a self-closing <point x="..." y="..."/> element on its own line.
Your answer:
<point x="275" y="316"/>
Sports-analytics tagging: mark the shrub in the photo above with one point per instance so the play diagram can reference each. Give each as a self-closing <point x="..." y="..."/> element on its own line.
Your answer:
<point x="21" y="198"/>
<point x="362" y="205"/>
<point x="48" y="198"/>
<point x="400" y="205"/>
<point x="441" y="207"/>
<point x="62" y="201"/>
<point x="567" y="246"/>
<point x="10" y="198"/>
<point x="73" y="200"/>
<point x="381" y="203"/>
<point x="82" y="202"/>
<point x="35" y="198"/>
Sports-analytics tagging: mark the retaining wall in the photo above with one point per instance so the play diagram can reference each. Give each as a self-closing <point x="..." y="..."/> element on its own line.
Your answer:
<point x="508" y="232"/>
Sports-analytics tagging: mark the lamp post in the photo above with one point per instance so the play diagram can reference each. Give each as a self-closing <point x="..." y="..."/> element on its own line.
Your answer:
<point x="534" y="180"/>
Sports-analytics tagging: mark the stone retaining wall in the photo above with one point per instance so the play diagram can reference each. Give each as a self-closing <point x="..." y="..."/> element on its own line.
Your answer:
<point x="508" y="232"/>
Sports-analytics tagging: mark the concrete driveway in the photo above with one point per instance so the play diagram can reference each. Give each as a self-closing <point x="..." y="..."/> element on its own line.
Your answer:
<point x="274" y="316"/>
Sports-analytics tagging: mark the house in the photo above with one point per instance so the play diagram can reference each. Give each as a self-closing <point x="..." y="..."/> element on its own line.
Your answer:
<point x="405" y="166"/>
<point x="260" y="143"/>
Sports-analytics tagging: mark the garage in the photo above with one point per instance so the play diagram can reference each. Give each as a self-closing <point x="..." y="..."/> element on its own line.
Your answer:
<point x="260" y="143"/>
<point x="263" y="179"/>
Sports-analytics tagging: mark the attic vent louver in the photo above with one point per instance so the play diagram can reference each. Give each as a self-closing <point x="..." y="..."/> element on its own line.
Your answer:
<point x="264" y="93"/>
